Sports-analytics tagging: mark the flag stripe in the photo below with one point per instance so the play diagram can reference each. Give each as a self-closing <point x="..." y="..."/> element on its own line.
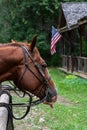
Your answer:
<point x="54" y="40"/>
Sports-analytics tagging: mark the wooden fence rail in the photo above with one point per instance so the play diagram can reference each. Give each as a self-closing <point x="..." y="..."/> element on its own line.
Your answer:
<point x="74" y="63"/>
<point x="82" y="64"/>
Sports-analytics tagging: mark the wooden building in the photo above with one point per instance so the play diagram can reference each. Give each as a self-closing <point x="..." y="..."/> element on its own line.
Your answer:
<point x="73" y="27"/>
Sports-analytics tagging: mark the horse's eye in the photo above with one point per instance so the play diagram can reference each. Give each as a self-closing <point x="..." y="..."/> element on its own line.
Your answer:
<point x="44" y="66"/>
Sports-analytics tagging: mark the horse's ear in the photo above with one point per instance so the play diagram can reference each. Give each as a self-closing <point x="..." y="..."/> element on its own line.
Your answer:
<point x="33" y="42"/>
<point x="12" y="41"/>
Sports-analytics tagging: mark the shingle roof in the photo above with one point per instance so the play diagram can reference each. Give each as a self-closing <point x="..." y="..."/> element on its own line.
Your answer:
<point x="74" y="12"/>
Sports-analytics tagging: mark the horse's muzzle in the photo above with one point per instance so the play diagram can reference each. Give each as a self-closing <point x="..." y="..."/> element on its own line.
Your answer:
<point x="51" y="97"/>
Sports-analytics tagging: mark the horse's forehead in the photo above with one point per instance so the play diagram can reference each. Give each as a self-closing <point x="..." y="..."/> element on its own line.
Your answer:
<point x="37" y="55"/>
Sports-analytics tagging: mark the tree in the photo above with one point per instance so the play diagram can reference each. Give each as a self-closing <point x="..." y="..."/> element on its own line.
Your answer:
<point x="22" y="19"/>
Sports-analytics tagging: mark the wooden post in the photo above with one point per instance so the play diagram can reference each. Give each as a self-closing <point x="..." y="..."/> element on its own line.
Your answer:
<point x="3" y="112"/>
<point x="4" y="98"/>
<point x="80" y="35"/>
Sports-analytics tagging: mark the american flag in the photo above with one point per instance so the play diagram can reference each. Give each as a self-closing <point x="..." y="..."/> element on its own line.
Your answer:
<point x="56" y="36"/>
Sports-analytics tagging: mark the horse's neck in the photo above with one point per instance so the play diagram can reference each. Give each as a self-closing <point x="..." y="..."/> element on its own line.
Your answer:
<point x="9" y="54"/>
<point x="10" y="57"/>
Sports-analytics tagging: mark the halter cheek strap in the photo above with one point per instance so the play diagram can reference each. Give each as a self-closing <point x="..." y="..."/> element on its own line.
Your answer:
<point x="25" y="52"/>
<point x="44" y="82"/>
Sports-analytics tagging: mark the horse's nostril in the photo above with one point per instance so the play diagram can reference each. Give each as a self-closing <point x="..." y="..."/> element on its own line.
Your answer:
<point x="54" y="99"/>
<point x="51" y="95"/>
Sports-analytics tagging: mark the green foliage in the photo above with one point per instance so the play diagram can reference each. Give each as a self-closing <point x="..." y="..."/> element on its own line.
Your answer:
<point x="55" y="60"/>
<point x="4" y="24"/>
<point x="25" y="15"/>
<point x="71" y="77"/>
<point x="22" y="19"/>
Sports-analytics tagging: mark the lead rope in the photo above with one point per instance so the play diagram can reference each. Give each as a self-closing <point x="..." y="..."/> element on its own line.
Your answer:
<point x="28" y="105"/>
<point x="10" y="105"/>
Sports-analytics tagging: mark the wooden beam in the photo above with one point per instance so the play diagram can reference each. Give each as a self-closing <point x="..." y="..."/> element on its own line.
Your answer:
<point x="75" y="26"/>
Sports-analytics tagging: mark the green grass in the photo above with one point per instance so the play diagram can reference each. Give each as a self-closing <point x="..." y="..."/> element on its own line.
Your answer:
<point x="63" y="117"/>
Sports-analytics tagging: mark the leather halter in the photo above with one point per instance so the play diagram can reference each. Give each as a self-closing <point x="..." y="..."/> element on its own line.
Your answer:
<point x="45" y="80"/>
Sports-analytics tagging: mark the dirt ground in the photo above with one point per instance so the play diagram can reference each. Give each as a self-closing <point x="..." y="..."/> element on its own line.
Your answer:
<point x="25" y="125"/>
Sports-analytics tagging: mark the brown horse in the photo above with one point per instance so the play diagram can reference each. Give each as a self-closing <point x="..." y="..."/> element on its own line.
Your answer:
<point x="22" y="63"/>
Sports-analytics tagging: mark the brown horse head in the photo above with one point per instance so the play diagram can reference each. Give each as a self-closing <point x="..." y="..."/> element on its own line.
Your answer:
<point x="22" y="63"/>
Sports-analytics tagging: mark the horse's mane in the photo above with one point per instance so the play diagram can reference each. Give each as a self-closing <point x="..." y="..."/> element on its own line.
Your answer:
<point x="8" y="44"/>
<point x="19" y="44"/>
